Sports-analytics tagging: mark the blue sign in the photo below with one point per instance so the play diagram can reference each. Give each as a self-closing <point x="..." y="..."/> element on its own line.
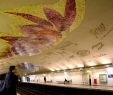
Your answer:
<point x="110" y="76"/>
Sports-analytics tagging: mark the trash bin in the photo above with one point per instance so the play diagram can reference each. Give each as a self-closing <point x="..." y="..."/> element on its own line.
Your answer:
<point x="95" y="81"/>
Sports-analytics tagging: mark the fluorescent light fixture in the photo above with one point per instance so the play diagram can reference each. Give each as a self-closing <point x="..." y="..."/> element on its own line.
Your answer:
<point x="51" y="69"/>
<point x="80" y="65"/>
<point x="70" y="66"/>
<point x="58" y="69"/>
<point x="105" y="60"/>
<point x="91" y="63"/>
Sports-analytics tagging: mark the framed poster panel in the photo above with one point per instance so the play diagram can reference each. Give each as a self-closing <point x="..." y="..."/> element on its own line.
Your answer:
<point x="103" y="78"/>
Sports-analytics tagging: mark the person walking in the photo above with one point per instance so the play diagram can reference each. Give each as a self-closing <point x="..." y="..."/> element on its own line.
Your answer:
<point x="44" y="79"/>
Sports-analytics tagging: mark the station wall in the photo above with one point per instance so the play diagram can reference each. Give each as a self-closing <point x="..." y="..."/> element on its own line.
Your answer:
<point x="98" y="77"/>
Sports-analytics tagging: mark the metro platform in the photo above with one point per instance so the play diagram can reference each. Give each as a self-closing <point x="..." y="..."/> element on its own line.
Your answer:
<point x="62" y="89"/>
<point x="108" y="88"/>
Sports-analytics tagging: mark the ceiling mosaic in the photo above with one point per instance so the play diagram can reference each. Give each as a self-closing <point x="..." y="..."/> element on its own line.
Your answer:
<point x="56" y="34"/>
<point x="38" y="27"/>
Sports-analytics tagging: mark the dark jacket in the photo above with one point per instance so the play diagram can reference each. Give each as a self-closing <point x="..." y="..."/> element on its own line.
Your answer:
<point x="11" y="82"/>
<point x="2" y="88"/>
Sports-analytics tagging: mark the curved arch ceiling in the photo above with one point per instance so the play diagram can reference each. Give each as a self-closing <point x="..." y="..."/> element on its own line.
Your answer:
<point x="63" y="34"/>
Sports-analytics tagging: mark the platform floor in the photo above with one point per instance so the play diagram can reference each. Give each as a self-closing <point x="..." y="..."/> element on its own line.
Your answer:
<point x="101" y="88"/>
<point x="109" y="88"/>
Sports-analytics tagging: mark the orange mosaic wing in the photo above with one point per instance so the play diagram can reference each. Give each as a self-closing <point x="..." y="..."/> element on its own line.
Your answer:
<point x="55" y="17"/>
<point x="70" y="13"/>
<point x="32" y="18"/>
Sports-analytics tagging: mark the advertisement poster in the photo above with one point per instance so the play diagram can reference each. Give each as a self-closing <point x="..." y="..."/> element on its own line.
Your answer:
<point x="103" y="78"/>
<point x="110" y="76"/>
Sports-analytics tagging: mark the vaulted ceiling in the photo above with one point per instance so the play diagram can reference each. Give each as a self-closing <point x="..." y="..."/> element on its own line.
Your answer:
<point x="56" y="34"/>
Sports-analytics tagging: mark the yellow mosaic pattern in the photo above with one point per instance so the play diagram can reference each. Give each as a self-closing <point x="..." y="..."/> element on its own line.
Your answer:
<point x="37" y="10"/>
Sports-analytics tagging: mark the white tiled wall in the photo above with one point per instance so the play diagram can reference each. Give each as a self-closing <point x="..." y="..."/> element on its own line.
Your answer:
<point x="103" y="71"/>
<point x="76" y="77"/>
